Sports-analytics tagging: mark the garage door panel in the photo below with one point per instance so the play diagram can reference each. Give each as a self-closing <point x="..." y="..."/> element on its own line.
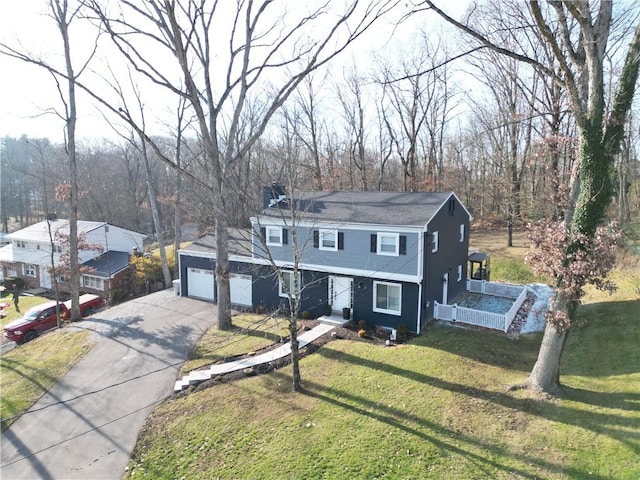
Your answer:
<point x="200" y="283"/>
<point x="240" y="286"/>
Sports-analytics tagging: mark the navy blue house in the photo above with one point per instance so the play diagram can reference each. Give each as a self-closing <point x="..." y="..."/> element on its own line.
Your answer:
<point x="385" y="256"/>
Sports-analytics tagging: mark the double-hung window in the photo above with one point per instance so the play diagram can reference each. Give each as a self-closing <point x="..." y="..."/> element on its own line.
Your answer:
<point x="287" y="284"/>
<point x="387" y="298"/>
<point x="328" y="239"/>
<point x="274" y="236"/>
<point x="388" y="244"/>
<point x="30" y="270"/>
<point x="462" y="232"/>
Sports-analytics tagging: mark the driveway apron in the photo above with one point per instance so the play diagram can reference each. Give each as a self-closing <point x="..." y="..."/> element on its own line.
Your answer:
<point x="86" y="426"/>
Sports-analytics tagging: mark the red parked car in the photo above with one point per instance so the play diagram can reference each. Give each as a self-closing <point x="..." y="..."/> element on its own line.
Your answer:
<point x="42" y="317"/>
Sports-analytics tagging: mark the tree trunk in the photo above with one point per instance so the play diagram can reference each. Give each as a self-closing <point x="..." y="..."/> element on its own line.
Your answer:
<point x="295" y="360"/>
<point x="155" y="214"/>
<point x="222" y="273"/>
<point x="545" y="375"/>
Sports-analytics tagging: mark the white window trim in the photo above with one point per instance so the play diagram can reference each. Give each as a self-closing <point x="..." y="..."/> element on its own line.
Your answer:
<point x="435" y="242"/>
<point x="375" y="295"/>
<point x="396" y="237"/>
<point x="94" y="282"/>
<point x="459" y="273"/>
<point x="268" y="231"/>
<point x="30" y="269"/>
<point x="326" y="232"/>
<point x="281" y="291"/>
<point x="462" y="232"/>
<point x="21" y="244"/>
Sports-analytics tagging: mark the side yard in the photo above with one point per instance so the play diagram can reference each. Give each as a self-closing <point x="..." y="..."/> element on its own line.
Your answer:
<point x="436" y="407"/>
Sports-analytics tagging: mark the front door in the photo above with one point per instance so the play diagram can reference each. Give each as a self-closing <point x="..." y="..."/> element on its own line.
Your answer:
<point x="340" y="293"/>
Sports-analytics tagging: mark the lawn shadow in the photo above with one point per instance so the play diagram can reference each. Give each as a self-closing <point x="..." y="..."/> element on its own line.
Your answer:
<point x="625" y="430"/>
<point x="483" y="346"/>
<point x="442" y="437"/>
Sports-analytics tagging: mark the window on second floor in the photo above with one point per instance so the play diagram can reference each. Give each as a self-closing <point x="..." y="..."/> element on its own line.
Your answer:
<point x="462" y="232"/>
<point x="275" y="236"/>
<point x="30" y="270"/>
<point x="459" y="273"/>
<point x="21" y="244"/>
<point x="328" y="240"/>
<point x="57" y="249"/>
<point x="435" y="242"/>
<point x="391" y="244"/>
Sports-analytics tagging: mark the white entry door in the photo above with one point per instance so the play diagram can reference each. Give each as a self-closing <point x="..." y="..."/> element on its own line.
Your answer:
<point x="200" y="283"/>
<point x="340" y="292"/>
<point x="445" y="288"/>
<point x="240" y="286"/>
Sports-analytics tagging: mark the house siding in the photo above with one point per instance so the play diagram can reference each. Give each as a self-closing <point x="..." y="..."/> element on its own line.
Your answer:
<point x="419" y="271"/>
<point x="451" y="253"/>
<point x="356" y="254"/>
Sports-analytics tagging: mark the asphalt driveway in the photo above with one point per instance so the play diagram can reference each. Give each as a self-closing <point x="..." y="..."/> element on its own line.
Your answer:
<point x="85" y="427"/>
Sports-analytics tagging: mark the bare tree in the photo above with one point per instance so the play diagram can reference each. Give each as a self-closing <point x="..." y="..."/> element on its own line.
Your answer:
<point x="578" y="34"/>
<point x="220" y="84"/>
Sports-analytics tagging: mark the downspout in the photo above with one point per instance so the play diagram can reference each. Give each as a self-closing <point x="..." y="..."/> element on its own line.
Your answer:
<point x="420" y="280"/>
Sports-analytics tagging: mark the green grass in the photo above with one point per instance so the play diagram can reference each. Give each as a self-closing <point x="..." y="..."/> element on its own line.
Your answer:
<point x="29" y="371"/>
<point x="249" y="333"/>
<point x="438" y="407"/>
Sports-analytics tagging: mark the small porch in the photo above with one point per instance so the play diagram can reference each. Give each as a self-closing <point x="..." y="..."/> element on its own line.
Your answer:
<point x="479" y="266"/>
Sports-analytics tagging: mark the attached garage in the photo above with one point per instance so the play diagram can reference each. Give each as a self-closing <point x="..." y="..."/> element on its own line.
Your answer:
<point x="200" y="283"/>
<point x="241" y="286"/>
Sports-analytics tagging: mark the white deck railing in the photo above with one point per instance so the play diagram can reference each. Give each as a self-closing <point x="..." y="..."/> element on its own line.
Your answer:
<point x="497" y="321"/>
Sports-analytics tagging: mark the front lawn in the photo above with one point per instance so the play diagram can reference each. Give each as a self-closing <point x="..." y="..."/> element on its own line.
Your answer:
<point x="29" y="371"/>
<point x="438" y="407"/>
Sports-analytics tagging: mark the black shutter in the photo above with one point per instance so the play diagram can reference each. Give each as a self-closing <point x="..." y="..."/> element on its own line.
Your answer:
<point x="316" y="239"/>
<point x="285" y="236"/>
<point x="263" y="234"/>
<point x="340" y="240"/>
<point x="374" y="243"/>
<point x="403" y="244"/>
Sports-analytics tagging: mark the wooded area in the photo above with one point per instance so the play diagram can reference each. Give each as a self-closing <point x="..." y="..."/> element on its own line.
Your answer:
<point x="395" y="120"/>
<point x="533" y="121"/>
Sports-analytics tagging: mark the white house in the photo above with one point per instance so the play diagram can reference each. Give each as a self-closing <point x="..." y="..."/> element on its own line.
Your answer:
<point x="29" y="255"/>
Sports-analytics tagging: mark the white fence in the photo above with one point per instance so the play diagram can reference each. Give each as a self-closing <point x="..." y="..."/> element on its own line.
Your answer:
<point x="470" y="316"/>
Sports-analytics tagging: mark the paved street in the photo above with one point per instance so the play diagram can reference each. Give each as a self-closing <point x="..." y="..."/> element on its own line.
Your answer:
<point x="86" y="426"/>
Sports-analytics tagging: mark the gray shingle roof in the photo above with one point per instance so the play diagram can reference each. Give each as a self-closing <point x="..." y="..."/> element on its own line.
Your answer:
<point x="379" y="208"/>
<point x="108" y="264"/>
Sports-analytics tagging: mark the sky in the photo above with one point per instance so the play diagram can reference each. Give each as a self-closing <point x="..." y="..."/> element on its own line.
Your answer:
<point x="28" y="94"/>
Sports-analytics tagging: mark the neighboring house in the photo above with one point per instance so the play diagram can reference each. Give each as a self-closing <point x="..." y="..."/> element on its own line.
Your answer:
<point x="28" y="256"/>
<point x="384" y="256"/>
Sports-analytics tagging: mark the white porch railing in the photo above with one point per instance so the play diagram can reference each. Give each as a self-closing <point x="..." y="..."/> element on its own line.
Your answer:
<point x="497" y="321"/>
<point x="492" y="288"/>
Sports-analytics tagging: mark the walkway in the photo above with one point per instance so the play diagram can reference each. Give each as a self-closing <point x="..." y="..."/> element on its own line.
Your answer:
<point x="198" y="376"/>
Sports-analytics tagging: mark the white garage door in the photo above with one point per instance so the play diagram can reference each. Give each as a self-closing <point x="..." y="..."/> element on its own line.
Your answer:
<point x="200" y="283"/>
<point x="240" y="286"/>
